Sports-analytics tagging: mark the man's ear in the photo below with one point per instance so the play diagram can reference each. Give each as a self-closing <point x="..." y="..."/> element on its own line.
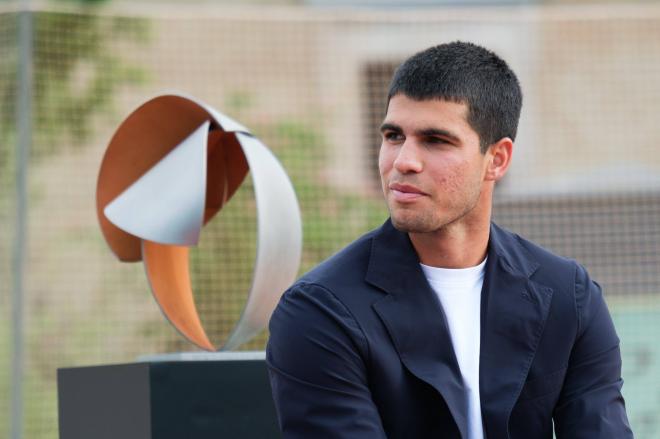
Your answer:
<point x="499" y="158"/>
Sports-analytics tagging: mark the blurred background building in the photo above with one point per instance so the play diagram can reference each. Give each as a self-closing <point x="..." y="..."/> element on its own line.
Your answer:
<point x="309" y="78"/>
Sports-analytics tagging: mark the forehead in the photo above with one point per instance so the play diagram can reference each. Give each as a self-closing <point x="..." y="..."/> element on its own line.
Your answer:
<point x="412" y="114"/>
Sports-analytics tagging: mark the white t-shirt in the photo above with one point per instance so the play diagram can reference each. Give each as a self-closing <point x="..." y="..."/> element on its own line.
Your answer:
<point x="459" y="291"/>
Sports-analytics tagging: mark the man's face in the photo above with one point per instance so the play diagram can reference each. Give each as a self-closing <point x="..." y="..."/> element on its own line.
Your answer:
<point x="431" y="168"/>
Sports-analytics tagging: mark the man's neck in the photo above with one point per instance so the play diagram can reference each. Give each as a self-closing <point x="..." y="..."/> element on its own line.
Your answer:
<point x="453" y="246"/>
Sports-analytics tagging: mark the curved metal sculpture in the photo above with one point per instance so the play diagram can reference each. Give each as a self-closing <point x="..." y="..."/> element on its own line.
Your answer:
<point x="169" y="168"/>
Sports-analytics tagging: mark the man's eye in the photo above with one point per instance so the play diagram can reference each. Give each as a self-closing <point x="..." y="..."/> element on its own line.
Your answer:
<point x="436" y="141"/>
<point x="392" y="136"/>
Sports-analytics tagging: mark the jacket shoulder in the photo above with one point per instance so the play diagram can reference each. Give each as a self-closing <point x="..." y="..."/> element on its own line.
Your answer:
<point x="567" y="277"/>
<point x="530" y="252"/>
<point x="548" y="258"/>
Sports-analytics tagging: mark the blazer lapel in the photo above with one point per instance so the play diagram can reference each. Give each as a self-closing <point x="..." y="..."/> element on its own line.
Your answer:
<point x="415" y="320"/>
<point x="513" y="315"/>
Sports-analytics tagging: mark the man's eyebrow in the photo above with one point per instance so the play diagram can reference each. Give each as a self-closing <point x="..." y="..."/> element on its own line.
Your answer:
<point x="390" y="127"/>
<point x="425" y="132"/>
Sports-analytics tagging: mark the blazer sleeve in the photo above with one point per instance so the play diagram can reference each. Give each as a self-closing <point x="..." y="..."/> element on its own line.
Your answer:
<point x="590" y="404"/>
<point x="315" y="358"/>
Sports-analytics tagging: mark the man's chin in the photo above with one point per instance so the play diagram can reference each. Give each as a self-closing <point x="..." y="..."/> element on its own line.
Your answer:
<point x="410" y="225"/>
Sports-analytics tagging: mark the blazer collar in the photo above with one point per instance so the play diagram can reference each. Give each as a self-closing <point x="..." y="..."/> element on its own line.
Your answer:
<point x="513" y="314"/>
<point x="392" y="255"/>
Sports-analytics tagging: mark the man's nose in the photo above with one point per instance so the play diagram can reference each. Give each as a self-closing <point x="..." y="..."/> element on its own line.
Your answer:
<point x="408" y="159"/>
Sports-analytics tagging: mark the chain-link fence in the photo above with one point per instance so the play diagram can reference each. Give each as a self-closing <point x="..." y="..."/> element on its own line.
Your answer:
<point x="311" y="84"/>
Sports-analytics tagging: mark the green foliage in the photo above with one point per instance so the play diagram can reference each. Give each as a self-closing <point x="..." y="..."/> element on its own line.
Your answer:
<point x="76" y="74"/>
<point x="8" y="52"/>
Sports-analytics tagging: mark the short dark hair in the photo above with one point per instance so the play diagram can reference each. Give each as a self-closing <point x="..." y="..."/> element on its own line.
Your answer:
<point x="467" y="73"/>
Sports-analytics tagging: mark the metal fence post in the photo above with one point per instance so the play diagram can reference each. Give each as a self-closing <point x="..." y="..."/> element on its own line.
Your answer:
<point x="24" y="140"/>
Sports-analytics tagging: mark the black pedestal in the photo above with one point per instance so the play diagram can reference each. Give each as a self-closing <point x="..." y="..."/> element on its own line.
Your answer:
<point x="167" y="400"/>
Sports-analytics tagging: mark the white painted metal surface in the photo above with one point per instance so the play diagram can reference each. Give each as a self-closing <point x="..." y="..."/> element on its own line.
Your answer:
<point x="166" y="204"/>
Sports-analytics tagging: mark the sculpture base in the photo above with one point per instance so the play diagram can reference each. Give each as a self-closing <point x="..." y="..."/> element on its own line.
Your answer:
<point x="172" y="396"/>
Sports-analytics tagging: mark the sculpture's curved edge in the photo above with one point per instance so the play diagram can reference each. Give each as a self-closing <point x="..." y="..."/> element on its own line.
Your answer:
<point x="225" y="122"/>
<point x="279" y="240"/>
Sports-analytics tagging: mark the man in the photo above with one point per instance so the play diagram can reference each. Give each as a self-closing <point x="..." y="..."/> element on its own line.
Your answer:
<point x="440" y="324"/>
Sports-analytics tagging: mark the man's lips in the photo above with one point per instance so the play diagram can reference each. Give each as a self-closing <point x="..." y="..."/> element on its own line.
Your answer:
<point x="405" y="192"/>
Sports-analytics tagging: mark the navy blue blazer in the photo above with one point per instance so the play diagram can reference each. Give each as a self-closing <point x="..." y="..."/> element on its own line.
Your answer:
<point x="359" y="348"/>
